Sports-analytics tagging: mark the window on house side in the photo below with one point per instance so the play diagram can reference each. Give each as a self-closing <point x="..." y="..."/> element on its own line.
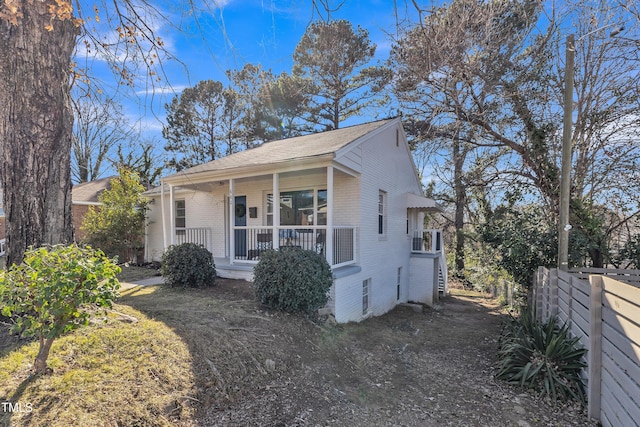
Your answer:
<point x="365" y="296"/>
<point x="181" y="217"/>
<point x="382" y="196"/>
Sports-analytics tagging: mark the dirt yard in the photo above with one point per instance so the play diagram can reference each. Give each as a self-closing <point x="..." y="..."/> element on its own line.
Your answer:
<point x="258" y="367"/>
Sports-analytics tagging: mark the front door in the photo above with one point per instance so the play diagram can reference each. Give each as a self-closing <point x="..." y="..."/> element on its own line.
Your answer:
<point x="240" y="220"/>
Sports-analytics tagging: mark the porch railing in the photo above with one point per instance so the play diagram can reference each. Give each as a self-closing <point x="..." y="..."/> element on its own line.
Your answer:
<point x="200" y="236"/>
<point x="426" y="241"/>
<point x="250" y="242"/>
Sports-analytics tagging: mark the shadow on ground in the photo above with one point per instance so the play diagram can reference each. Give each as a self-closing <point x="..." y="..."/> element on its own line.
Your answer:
<point x="255" y="366"/>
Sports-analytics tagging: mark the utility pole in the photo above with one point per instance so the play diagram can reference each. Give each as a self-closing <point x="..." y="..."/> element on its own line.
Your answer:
<point x="565" y="178"/>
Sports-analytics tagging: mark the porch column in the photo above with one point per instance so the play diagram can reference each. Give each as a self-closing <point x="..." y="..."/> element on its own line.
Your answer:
<point x="275" y="205"/>
<point x="172" y="212"/>
<point x="329" y="240"/>
<point x="232" y="216"/>
<point x="164" y="218"/>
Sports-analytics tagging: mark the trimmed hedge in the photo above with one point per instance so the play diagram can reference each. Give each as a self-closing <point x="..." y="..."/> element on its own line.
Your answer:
<point x="188" y="265"/>
<point x="292" y="280"/>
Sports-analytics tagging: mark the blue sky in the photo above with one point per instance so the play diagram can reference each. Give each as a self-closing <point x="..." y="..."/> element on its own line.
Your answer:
<point x="239" y="32"/>
<point x="267" y="31"/>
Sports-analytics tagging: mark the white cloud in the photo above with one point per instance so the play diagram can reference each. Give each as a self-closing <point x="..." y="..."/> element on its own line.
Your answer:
<point x="162" y="90"/>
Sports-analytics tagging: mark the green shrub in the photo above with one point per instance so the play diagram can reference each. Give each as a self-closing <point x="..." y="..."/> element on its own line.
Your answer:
<point x="53" y="291"/>
<point x="542" y="356"/>
<point x="188" y="265"/>
<point x="117" y="226"/>
<point x="292" y="280"/>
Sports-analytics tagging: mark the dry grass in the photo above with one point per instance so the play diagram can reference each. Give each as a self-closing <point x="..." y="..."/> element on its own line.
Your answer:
<point x="133" y="273"/>
<point x="107" y="374"/>
<point x="215" y="357"/>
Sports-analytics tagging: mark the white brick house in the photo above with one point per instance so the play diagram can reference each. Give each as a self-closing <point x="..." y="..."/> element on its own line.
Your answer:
<point x="352" y="194"/>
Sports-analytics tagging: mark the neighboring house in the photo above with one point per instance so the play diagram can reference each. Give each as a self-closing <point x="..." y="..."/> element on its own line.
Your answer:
<point x="82" y="197"/>
<point x="351" y="194"/>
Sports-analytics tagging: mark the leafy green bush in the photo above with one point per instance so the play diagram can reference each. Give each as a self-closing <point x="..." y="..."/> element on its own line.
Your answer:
<point x="522" y="237"/>
<point x="51" y="291"/>
<point x="117" y="226"/>
<point x="541" y="356"/>
<point x="292" y="280"/>
<point x="188" y="265"/>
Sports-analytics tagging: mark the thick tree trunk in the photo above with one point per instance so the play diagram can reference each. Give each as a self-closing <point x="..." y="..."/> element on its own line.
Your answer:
<point x="459" y="155"/>
<point x="597" y="257"/>
<point x="35" y="129"/>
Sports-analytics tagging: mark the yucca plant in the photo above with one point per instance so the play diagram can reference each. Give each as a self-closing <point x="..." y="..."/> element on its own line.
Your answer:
<point x="543" y="357"/>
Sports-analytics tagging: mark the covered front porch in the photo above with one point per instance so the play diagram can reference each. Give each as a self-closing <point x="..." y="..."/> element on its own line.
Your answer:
<point x="252" y="214"/>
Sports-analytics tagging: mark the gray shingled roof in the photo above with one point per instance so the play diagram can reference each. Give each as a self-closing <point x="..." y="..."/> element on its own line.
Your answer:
<point x="88" y="192"/>
<point x="285" y="150"/>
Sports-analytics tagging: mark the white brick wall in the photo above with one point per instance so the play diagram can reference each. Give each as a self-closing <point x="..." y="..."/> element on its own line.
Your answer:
<point x="345" y="198"/>
<point x="203" y="209"/>
<point x="385" y="167"/>
<point x="424" y="274"/>
<point x="154" y="239"/>
<point x="209" y="209"/>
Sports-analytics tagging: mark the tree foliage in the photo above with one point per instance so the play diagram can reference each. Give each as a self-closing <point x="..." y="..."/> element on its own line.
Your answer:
<point x="117" y="225"/>
<point x="473" y="70"/>
<point x="258" y="121"/>
<point x="334" y="59"/>
<point x="193" y="125"/>
<point x="523" y="238"/>
<point x="491" y="74"/>
<point x="99" y="127"/>
<point x="209" y="120"/>
<point x="141" y="160"/>
<point x="54" y="290"/>
<point x="289" y="97"/>
<point x="629" y="255"/>
<point x="37" y="41"/>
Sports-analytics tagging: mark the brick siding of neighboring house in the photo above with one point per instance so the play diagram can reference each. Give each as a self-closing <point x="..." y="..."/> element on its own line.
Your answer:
<point x="78" y="212"/>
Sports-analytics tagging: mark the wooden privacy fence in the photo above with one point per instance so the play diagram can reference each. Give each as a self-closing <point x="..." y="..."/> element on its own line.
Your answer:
<point x="604" y="312"/>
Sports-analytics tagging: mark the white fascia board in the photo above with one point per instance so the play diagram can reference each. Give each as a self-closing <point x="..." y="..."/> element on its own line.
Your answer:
<point x="250" y="171"/>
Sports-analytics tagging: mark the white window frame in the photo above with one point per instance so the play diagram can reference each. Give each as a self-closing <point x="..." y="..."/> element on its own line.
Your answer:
<point x="366" y="296"/>
<point x="382" y="213"/>
<point x="180" y="231"/>
<point x="268" y="213"/>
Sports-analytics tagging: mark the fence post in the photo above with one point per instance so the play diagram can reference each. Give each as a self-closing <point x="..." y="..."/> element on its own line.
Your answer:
<point x="553" y="297"/>
<point x="547" y="278"/>
<point x="535" y="291"/>
<point x="594" y="356"/>
<point x="570" y="300"/>
<point x="539" y="291"/>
